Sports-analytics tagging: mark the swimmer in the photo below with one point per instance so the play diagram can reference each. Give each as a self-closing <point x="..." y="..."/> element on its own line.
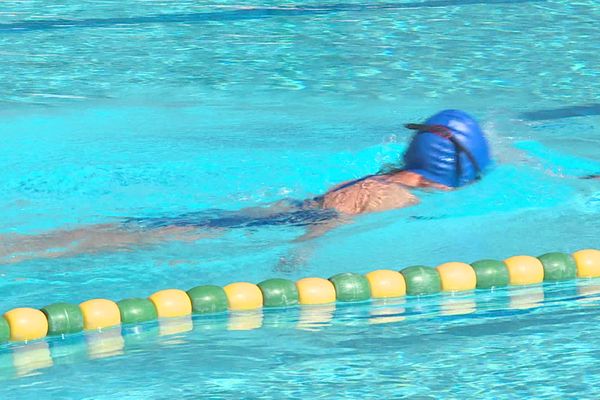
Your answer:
<point x="447" y="151"/>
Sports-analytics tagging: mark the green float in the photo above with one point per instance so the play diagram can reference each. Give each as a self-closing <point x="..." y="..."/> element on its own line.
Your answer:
<point x="421" y="280"/>
<point x="351" y="287"/>
<point x="208" y="299"/>
<point x="491" y="274"/>
<point x="558" y="267"/>
<point x="4" y="330"/>
<point x="63" y="318"/>
<point x="278" y="292"/>
<point x="136" y="310"/>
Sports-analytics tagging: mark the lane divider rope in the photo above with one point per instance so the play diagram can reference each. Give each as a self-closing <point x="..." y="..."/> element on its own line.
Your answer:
<point x="26" y="324"/>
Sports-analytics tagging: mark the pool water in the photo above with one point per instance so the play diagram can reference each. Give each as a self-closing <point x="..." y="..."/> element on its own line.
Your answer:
<point x="153" y="109"/>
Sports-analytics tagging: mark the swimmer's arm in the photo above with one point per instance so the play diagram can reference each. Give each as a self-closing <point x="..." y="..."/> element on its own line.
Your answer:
<point x="315" y="231"/>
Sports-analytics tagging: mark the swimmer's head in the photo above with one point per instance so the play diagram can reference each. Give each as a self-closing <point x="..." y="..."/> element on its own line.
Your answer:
<point x="449" y="149"/>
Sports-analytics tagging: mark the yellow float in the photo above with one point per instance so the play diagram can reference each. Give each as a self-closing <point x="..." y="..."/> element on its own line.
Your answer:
<point x="315" y="291"/>
<point x="524" y="270"/>
<point x="100" y="313"/>
<point x="171" y="303"/>
<point x="457" y="277"/>
<point x="386" y="283"/>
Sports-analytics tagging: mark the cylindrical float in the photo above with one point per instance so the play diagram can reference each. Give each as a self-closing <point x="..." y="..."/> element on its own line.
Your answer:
<point x="588" y="263"/>
<point x="171" y="303"/>
<point x="26" y="324"/>
<point x="421" y="280"/>
<point x="386" y="283"/>
<point x="100" y="313"/>
<point x="351" y="287"/>
<point x="558" y="267"/>
<point x="137" y="310"/>
<point x="63" y="318"/>
<point x="524" y="270"/>
<point x="207" y="299"/>
<point x="457" y="277"/>
<point x="278" y="292"/>
<point x="315" y="291"/>
<point x="243" y="296"/>
<point x="490" y="274"/>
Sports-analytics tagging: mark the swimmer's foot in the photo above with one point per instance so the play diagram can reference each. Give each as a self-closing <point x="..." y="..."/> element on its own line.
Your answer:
<point x="13" y="248"/>
<point x="67" y="243"/>
<point x="13" y="257"/>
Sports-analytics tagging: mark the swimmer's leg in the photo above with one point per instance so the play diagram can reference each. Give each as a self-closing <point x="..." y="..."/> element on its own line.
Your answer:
<point x="91" y="239"/>
<point x="59" y="238"/>
<point x="304" y="248"/>
<point x="318" y="230"/>
<point x="16" y="247"/>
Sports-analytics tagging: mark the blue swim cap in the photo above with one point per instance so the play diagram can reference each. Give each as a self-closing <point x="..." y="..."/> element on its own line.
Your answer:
<point x="449" y="149"/>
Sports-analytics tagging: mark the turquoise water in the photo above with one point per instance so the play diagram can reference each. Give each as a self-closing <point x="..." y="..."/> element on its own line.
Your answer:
<point x="144" y="109"/>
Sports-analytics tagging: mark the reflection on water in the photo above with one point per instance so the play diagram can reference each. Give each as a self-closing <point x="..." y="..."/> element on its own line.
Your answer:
<point x="245" y="320"/>
<point x="173" y="326"/>
<point x="522" y="298"/>
<point x="457" y="305"/>
<point x="387" y="311"/>
<point x="104" y="344"/>
<point x="30" y="358"/>
<point x="589" y="292"/>
<point x="316" y="317"/>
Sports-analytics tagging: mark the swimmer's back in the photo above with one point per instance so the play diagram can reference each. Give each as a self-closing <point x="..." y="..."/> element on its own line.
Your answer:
<point x="368" y="195"/>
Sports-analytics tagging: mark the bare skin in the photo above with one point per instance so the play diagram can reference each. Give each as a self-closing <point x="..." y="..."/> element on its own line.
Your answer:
<point x="373" y="194"/>
<point x="377" y="193"/>
<point x="91" y="239"/>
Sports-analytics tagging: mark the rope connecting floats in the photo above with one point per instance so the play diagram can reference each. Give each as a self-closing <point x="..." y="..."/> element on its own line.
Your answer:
<point x="24" y="324"/>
